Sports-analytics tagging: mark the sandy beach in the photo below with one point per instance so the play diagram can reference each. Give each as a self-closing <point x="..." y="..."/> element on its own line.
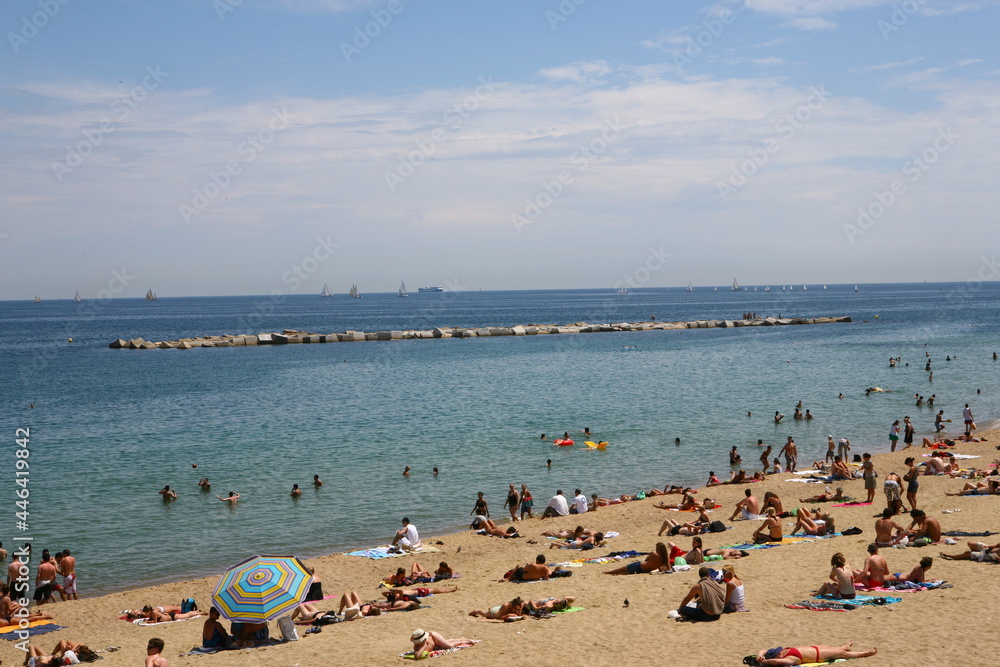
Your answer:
<point x="942" y="627"/>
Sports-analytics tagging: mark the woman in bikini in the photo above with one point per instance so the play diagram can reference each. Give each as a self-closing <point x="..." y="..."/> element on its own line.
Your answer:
<point x="770" y="530"/>
<point x="798" y="655"/>
<point x="658" y="560"/>
<point x="165" y="614"/>
<point x="771" y="499"/>
<point x="841" y="584"/>
<point x="512" y="610"/>
<point x="805" y="522"/>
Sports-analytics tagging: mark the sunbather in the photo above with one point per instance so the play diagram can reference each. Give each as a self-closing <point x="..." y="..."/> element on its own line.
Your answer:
<point x="979" y="552"/>
<point x="825" y="497"/>
<point x="164" y="614"/>
<point x="507" y="611"/>
<point x="798" y="655"/>
<point x="425" y="642"/>
<point x="984" y="488"/>
<point x="659" y="559"/>
<point x="807" y="523"/>
<point x="584" y="543"/>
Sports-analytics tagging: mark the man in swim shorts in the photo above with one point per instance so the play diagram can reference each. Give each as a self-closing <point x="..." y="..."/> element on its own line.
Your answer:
<point x="892" y="488"/>
<point x="68" y="570"/>
<point x="884" y="528"/>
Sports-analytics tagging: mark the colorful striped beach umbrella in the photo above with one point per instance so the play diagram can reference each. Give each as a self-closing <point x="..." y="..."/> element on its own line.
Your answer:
<point x="261" y="588"/>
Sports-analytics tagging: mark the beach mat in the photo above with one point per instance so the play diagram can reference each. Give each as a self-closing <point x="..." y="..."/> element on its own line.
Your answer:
<point x="862" y="600"/>
<point x="34" y="628"/>
<point x="432" y="654"/>
<point x="822" y="605"/>
<point x="855" y="504"/>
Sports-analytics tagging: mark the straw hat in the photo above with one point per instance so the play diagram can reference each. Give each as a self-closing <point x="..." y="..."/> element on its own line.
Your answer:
<point x="418" y="636"/>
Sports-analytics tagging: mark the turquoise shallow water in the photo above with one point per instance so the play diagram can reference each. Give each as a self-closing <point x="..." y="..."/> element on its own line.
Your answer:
<point x="111" y="427"/>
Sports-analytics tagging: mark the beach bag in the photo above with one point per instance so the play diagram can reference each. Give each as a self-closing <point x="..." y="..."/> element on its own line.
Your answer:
<point x="851" y="531"/>
<point x="188" y="604"/>
<point x="287" y="627"/>
<point x="716" y="527"/>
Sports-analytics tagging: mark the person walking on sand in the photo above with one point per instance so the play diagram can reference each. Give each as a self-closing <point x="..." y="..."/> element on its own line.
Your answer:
<point x="481" y="509"/>
<point x="791" y="453"/>
<point x="526" y="502"/>
<point x="512" y="502"/>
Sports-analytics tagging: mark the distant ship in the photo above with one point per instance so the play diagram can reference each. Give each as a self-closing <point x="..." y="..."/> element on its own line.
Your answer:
<point x="150" y="296"/>
<point x="855" y="288"/>
<point x="736" y="285"/>
<point x="431" y="288"/>
<point x="824" y="286"/>
<point x="690" y="287"/>
<point x="767" y="289"/>
<point x="38" y="299"/>
<point x="77" y="299"/>
<point x="623" y="290"/>
<point x="402" y="290"/>
<point x="805" y="288"/>
<point x="354" y="294"/>
<point x="326" y="291"/>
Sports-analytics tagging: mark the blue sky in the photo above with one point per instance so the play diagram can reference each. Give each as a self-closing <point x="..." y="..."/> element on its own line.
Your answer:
<point x="208" y="147"/>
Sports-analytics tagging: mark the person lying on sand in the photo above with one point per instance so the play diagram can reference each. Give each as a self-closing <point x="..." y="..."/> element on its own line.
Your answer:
<point x="689" y="528"/>
<point x="826" y="497"/>
<point x="798" y="655"/>
<point x="807" y="523"/>
<point x="687" y="503"/>
<point x="549" y="604"/>
<point x="574" y="534"/>
<point x="659" y="559"/>
<point x="65" y="653"/>
<point x="727" y="554"/>
<point x="164" y="614"/>
<point x="979" y="552"/>
<point x="984" y="488"/>
<point x="425" y="642"/>
<point x="493" y="530"/>
<point x="936" y="466"/>
<point x="419" y="592"/>
<point x="530" y="572"/>
<point x="417" y="573"/>
<point x="512" y="610"/>
<point x="584" y="543"/>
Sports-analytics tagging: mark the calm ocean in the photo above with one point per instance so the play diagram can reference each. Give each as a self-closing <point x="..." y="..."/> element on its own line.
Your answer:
<point x="111" y="427"/>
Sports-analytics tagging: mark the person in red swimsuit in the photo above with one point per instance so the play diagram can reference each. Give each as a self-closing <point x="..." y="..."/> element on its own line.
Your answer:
<point x="797" y="655"/>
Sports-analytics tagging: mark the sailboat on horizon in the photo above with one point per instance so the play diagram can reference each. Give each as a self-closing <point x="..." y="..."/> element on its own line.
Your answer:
<point x="402" y="290"/>
<point x="855" y="289"/>
<point x="736" y="285"/>
<point x="76" y="298"/>
<point x="690" y="287"/>
<point x="37" y="299"/>
<point x="327" y="292"/>
<point x="354" y="294"/>
<point x="150" y="295"/>
<point x="767" y="288"/>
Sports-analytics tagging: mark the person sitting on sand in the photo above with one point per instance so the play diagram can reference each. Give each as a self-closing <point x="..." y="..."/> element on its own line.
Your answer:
<point x="693" y="557"/>
<point x="884" y="528"/>
<point x="748" y="508"/>
<point x="712" y="479"/>
<point x="213" y="634"/>
<point x="875" y="571"/>
<point x="735" y="591"/>
<point x="530" y="572"/>
<point x="709" y="596"/>
<point x="808" y="524"/>
<point x="841" y="584"/>
<point x="770" y="530"/>
<point x="584" y="543"/>
<point x="659" y="559"/>
<point x="738" y="477"/>
<point x="154" y="653"/>
<point x="840" y="470"/>
<point x="424" y="642"/>
<point x="827" y="497"/>
<point x="9" y="608"/>
<point x="923" y="527"/>
<point x="979" y="552"/>
<point x="799" y="655"/>
<point x="407" y="536"/>
<point x="985" y="488"/>
<point x="771" y="499"/>
<point x="775" y="467"/>
<point x="508" y="611"/>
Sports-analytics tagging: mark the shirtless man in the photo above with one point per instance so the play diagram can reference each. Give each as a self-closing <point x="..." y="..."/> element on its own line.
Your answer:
<point x="12" y="571"/>
<point x="45" y="581"/>
<point x="3" y="552"/>
<point x="749" y="507"/>
<point x="231" y="499"/>
<point x="205" y="484"/>
<point x="883" y="529"/>
<point x="923" y="526"/>
<point x="154" y="650"/>
<point x="530" y="572"/>
<point x="873" y="575"/>
<point x="791" y="453"/>
<point x="840" y="471"/>
<point x="168" y="494"/>
<point x="414" y="593"/>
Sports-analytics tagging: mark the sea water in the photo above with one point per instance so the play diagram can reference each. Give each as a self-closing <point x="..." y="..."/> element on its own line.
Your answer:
<point x="109" y="428"/>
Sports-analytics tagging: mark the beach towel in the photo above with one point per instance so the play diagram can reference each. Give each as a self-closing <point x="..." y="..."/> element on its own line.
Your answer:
<point x="962" y="533"/>
<point x="143" y="621"/>
<point x="432" y="654"/>
<point x="862" y="600"/>
<point x="34" y="628"/>
<point x="568" y="610"/>
<point x="377" y="553"/>
<point x="821" y="605"/>
<point x="851" y="504"/>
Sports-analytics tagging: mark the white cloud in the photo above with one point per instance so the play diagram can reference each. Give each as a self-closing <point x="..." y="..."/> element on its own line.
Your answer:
<point x="328" y="6"/>
<point x="578" y="72"/>
<point x="810" y="23"/>
<point x="892" y="65"/>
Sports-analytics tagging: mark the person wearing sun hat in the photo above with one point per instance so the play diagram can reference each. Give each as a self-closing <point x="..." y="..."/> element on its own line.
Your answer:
<point x="425" y="642"/>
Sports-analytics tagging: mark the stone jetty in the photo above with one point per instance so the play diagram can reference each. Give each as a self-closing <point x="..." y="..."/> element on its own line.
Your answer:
<point x="289" y="336"/>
